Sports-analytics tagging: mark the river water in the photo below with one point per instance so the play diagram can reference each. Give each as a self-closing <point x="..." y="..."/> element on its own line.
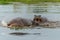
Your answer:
<point x="7" y="13"/>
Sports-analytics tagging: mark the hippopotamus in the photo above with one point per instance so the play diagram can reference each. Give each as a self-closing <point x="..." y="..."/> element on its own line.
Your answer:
<point x="21" y="22"/>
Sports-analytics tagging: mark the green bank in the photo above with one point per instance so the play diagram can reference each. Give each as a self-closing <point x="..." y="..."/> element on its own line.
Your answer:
<point x="27" y="1"/>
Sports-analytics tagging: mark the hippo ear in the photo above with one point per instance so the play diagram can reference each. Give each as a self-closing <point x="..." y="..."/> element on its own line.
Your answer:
<point x="35" y="15"/>
<point x="39" y="15"/>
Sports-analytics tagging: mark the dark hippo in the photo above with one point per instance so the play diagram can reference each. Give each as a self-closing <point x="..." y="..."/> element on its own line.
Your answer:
<point x="21" y="22"/>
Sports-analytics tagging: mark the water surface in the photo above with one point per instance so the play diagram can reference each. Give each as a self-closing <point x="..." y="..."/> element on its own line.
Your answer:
<point x="7" y="13"/>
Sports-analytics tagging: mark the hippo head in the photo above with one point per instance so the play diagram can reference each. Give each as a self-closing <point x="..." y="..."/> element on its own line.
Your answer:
<point x="37" y="19"/>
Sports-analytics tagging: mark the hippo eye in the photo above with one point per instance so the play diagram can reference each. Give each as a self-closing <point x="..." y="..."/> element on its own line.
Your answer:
<point x="37" y="19"/>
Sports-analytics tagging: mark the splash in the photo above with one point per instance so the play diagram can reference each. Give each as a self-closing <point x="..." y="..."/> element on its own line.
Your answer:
<point x="4" y="23"/>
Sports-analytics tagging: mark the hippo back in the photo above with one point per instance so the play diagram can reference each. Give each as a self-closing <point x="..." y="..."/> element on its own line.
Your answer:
<point x="20" y="21"/>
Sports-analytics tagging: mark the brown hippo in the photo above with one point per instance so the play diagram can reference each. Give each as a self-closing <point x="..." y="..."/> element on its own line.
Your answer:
<point x="38" y="19"/>
<point x="21" y="22"/>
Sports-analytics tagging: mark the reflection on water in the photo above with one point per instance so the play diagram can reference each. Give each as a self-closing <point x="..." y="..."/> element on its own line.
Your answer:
<point x="20" y="33"/>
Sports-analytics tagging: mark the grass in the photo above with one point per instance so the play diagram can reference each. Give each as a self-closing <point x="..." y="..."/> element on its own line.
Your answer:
<point x="27" y="1"/>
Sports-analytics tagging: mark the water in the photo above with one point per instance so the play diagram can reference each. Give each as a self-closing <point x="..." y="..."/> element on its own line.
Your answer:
<point x="7" y="13"/>
<point x="45" y="34"/>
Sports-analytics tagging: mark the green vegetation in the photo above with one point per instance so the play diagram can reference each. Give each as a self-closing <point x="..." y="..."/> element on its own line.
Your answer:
<point x="27" y="1"/>
<point x="19" y="27"/>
